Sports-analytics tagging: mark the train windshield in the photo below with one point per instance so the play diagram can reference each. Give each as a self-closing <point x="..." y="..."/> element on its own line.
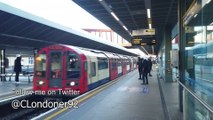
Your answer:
<point x="40" y="65"/>
<point x="56" y="65"/>
<point x="73" y="65"/>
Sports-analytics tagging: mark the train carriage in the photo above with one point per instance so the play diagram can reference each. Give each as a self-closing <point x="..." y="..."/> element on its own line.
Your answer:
<point x="64" y="68"/>
<point x="98" y="69"/>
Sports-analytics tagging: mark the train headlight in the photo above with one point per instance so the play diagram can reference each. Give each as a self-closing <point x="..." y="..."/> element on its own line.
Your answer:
<point x="72" y="83"/>
<point x="41" y="82"/>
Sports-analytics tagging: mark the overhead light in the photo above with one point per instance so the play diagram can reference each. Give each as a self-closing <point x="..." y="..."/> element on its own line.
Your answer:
<point x="211" y="23"/>
<point x="195" y="15"/>
<point x="113" y="14"/>
<point x="208" y="1"/>
<point x="125" y="28"/>
<point x="100" y="0"/>
<point x="148" y="13"/>
<point x="150" y="26"/>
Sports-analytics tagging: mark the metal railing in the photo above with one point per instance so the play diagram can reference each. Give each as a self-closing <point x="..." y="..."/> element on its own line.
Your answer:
<point x="208" y="107"/>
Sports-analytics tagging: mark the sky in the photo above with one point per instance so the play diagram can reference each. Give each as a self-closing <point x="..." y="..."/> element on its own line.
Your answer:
<point x="64" y="12"/>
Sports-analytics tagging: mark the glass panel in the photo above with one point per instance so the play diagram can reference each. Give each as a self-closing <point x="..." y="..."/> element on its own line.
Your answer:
<point x="102" y="63"/>
<point x="93" y="70"/>
<point x="73" y="66"/>
<point x="40" y="65"/>
<point x="114" y="64"/>
<point x="55" y="65"/>
<point x="198" y="35"/>
<point x="194" y="110"/>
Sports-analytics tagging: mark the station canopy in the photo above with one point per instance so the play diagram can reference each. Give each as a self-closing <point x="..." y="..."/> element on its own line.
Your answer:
<point x="22" y="30"/>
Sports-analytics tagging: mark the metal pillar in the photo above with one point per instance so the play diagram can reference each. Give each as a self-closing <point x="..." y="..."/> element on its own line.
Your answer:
<point x="181" y="44"/>
<point x="168" y="45"/>
<point x="2" y="62"/>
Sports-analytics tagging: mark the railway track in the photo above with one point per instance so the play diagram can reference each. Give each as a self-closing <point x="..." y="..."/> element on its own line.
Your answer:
<point x="27" y="107"/>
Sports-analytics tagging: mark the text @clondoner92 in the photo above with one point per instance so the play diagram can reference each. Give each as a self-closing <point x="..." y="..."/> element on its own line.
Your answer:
<point x="43" y="104"/>
<point x="46" y="103"/>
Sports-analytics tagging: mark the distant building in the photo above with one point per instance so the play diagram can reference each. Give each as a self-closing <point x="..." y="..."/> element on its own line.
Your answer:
<point x="109" y="35"/>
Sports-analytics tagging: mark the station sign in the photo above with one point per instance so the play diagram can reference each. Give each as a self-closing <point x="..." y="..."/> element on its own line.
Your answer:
<point x="142" y="42"/>
<point x="142" y="32"/>
<point x="136" y="41"/>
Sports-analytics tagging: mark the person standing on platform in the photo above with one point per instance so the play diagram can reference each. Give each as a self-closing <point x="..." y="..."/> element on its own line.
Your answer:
<point x="17" y="68"/>
<point x="139" y="68"/>
<point x="150" y="66"/>
<point x="145" y="71"/>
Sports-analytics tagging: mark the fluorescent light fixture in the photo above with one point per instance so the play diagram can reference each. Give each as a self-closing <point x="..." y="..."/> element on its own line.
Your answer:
<point x="125" y="28"/>
<point x="100" y="0"/>
<point x="195" y="15"/>
<point x="113" y="14"/>
<point x="148" y="13"/>
<point x="208" y="1"/>
<point x="150" y="26"/>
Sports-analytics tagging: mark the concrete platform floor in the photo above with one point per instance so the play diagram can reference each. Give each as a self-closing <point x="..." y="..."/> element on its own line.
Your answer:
<point x="127" y="99"/>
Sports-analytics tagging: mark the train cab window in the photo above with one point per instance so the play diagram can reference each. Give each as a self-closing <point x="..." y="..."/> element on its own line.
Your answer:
<point x="40" y="65"/>
<point x="56" y="65"/>
<point x="73" y="65"/>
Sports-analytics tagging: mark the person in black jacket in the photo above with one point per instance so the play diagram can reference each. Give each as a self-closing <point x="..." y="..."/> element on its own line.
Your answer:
<point x="139" y="63"/>
<point x="145" y="71"/>
<point x="17" y="68"/>
<point x="150" y="66"/>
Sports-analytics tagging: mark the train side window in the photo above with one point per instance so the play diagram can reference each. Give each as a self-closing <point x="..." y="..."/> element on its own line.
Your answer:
<point x="113" y="64"/>
<point x="102" y="63"/>
<point x="93" y="70"/>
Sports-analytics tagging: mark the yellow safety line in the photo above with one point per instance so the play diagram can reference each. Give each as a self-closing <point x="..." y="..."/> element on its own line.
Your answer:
<point x="79" y="101"/>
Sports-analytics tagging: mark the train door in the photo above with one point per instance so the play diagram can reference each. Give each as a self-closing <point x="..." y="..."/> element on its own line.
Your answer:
<point x="93" y="73"/>
<point x="89" y="70"/>
<point x="119" y="67"/>
<point x="55" y="79"/>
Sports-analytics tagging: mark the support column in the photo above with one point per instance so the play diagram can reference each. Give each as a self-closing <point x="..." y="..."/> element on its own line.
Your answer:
<point x="181" y="45"/>
<point x="2" y="65"/>
<point x="168" y="45"/>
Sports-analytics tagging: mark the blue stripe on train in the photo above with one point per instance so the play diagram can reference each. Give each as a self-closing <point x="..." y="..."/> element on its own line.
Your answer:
<point x="98" y="83"/>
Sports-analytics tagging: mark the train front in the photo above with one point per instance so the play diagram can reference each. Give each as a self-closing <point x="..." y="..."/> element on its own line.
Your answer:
<point x="59" y="70"/>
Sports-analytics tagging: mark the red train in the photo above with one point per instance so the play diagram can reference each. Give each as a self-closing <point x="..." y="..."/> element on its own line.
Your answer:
<point x="63" y="67"/>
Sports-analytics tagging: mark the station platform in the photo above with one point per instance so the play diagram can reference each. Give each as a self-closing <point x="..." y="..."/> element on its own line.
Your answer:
<point x="8" y="87"/>
<point x="127" y="99"/>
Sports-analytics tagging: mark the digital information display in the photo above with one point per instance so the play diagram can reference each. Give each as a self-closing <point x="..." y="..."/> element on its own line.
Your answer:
<point x="142" y="42"/>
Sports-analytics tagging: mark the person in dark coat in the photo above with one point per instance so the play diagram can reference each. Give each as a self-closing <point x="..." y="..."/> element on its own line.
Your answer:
<point x="145" y="71"/>
<point x="17" y="68"/>
<point x="150" y="66"/>
<point x="139" y="63"/>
